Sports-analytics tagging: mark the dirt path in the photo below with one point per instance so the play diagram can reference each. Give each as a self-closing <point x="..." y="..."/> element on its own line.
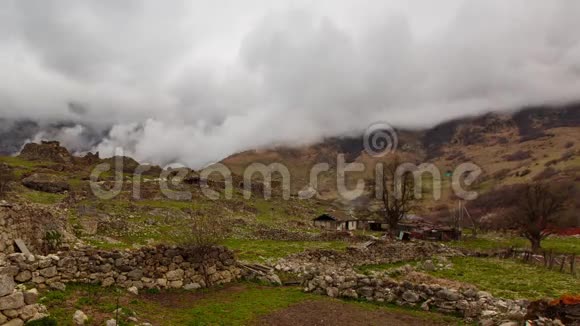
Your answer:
<point x="320" y="313"/>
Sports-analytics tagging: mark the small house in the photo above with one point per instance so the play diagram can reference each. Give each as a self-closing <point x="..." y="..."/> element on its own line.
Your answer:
<point x="336" y="221"/>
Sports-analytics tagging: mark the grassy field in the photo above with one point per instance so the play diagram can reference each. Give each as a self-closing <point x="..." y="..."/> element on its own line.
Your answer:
<point x="510" y="279"/>
<point x="235" y="304"/>
<point x="261" y="250"/>
<point x="569" y="245"/>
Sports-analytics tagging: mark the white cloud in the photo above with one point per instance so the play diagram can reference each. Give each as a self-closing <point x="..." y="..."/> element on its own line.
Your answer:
<point x="195" y="82"/>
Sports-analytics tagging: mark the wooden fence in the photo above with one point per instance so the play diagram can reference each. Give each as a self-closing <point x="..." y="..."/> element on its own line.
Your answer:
<point x="548" y="259"/>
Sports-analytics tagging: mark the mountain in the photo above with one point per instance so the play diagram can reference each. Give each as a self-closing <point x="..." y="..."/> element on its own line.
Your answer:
<point x="535" y="143"/>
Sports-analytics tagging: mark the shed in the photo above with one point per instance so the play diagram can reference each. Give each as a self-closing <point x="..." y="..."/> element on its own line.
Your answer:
<point x="336" y="221"/>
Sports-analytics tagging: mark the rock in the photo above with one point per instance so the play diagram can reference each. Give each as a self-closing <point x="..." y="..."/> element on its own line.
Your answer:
<point x="410" y="296"/>
<point x="429" y="266"/>
<point x="510" y="323"/>
<point x="192" y="286"/>
<point x="135" y="274"/>
<point x="108" y="282"/>
<point x="46" y="183"/>
<point x="49" y="272"/>
<point x="448" y="295"/>
<point x="29" y="311"/>
<point x="7" y="285"/>
<point x="80" y="318"/>
<point x="59" y="286"/>
<point x="15" y="322"/>
<point x="176" y="284"/>
<point x="133" y="290"/>
<point x="31" y="296"/>
<point x="175" y="275"/>
<point x="488" y="313"/>
<point x="23" y="277"/>
<point x="13" y="301"/>
<point x="332" y="292"/>
<point x="3" y="319"/>
<point x="111" y="322"/>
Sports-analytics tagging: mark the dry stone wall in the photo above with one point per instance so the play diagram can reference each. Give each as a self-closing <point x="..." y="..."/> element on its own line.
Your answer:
<point x="379" y="287"/>
<point x="17" y="304"/>
<point x="158" y="267"/>
<point x="26" y="222"/>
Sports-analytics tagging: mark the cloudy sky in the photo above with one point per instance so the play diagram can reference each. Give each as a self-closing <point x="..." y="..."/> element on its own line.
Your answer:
<point x="194" y="81"/>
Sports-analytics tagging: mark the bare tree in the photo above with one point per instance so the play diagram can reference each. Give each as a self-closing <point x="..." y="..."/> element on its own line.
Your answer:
<point x="6" y="176"/>
<point x="537" y="209"/>
<point x="206" y="232"/>
<point x="398" y="194"/>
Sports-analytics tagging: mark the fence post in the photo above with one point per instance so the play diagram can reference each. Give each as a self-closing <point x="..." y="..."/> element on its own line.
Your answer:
<point x="573" y="265"/>
<point x="551" y="259"/>
<point x="562" y="264"/>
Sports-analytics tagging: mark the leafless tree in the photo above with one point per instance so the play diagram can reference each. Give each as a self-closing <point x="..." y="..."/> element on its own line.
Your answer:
<point x="207" y="231"/>
<point x="398" y="194"/>
<point x="538" y="209"/>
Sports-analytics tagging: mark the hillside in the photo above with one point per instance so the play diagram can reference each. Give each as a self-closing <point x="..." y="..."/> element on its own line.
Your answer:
<point x="531" y="144"/>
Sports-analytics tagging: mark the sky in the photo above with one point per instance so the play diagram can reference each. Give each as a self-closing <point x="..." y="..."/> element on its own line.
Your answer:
<point x="193" y="82"/>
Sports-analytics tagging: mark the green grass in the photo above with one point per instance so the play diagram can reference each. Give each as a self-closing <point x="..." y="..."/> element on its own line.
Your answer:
<point x="260" y="250"/>
<point x="235" y="304"/>
<point x="510" y="279"/>
<point x="43" y="197"/>
<point x="568" y="245"/>
<point x="15" y="161"/>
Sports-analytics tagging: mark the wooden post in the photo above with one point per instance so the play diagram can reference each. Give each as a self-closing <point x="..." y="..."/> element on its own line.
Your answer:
<point x="551" y="260"/>
<point x="562" y="264"/>
<point x="573" y="265"/>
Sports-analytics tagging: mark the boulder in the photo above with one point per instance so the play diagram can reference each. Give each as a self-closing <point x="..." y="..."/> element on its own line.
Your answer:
<point x="31" y="296"/>
<point x="80" y="318"/>
<point x="13" y="301"/>
<point x="410" y="296"/>
<point x="46" y="183"/>
<point x="29" y="311"/>
<point x="23" y="277"/>
<point x="15" y="322"/>
<point x="7" y="285"/>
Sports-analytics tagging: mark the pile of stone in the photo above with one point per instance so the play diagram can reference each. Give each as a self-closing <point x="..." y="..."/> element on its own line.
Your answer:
<point x="17" y="304"/>
<point x="381" y="252"/>
<point x="379" y="287"/>
<point x="151" y="267"/>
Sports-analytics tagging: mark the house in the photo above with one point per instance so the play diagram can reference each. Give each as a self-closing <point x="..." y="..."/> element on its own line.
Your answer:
<point x="337" y="221"/>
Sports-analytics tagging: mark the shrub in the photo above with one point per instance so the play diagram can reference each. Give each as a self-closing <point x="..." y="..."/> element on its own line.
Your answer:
<point x="569" y="144"/>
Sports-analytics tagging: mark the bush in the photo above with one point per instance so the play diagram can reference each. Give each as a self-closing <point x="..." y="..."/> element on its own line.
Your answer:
<point x="569" y="144"/>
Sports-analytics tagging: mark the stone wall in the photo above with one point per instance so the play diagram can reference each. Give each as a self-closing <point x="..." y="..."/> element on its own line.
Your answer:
<point x="18" y="305"/>
<point x="379" y="287"/>
<point x="27" y="222"/>
<point x="382" y="252"/>
<point x="158" y="267"/>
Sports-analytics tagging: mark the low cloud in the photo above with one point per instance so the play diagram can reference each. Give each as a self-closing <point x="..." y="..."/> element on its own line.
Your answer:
<point x="194" y="83"/>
